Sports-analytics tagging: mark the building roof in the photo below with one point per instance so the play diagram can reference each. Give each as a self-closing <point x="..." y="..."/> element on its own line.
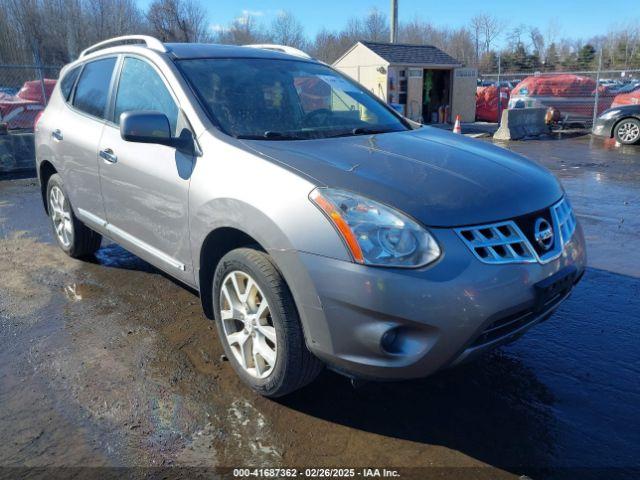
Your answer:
<point x="406" y="53"/>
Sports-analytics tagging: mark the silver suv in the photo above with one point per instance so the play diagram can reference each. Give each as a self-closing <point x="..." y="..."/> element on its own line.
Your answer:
<point x="318" y="225"/>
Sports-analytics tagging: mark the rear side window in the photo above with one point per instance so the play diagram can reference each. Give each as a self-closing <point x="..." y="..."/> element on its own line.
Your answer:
<point x="93" y="87"/>
<point x="68" y="81"/>
<point x="141" y="88"/>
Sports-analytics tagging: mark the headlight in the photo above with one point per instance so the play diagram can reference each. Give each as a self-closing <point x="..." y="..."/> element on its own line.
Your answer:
<point x="374" y="233"/>
<point x="609" y="114"/>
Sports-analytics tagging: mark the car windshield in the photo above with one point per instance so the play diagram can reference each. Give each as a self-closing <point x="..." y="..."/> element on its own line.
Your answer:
<point x="257" y="98"/>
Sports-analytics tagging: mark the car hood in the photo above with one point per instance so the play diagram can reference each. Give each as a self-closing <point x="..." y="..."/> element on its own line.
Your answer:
<point x="439" y="178"/>
<point x="625" y="109"/>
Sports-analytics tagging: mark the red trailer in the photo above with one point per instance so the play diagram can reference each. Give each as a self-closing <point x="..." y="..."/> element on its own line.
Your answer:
<point x="572" y="95"/>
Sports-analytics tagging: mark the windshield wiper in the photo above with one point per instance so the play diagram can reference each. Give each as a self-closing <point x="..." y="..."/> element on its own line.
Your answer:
<point x="360" y="131"/>
<point x="369" y="131"/>
<point x="271" y="135"/>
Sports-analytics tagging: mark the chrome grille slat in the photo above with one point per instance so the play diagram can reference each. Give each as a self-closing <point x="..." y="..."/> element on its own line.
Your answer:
<point x="484" y="247"/>
<point x="566" y="219"/>
<point x="499" y="248"/>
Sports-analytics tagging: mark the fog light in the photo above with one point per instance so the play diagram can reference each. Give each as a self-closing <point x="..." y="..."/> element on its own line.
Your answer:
<point x="388" y="340"/>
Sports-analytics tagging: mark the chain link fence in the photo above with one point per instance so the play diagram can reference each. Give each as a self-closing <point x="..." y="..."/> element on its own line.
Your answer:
<point x="24" y="92"/>
<point x="572" y="99"/>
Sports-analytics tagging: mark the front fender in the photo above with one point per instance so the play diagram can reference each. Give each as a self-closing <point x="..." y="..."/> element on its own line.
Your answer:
<point x="234" y="188"/>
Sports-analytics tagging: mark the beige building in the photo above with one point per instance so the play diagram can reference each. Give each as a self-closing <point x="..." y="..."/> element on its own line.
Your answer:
<point x="421" y="81"/>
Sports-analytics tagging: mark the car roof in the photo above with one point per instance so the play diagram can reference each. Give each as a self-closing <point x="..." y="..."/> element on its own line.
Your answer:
<point x="182" y="51"/>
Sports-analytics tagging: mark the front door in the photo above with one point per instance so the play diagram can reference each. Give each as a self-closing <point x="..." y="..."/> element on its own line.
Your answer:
<point x="145" y="187"/>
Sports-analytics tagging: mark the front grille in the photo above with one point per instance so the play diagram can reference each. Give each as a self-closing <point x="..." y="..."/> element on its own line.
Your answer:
<point x="514" y="241"/>
<point x="498" y="243"/>
<point x="566" y="219"/>
<point x="527" y="223"/>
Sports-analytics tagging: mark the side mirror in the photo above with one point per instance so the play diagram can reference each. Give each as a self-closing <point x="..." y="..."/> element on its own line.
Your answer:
<point x="146" y="127"/>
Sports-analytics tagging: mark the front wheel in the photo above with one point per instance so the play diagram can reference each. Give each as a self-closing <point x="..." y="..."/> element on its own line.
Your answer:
<point x="627" y="131"/>
<point x="259" y="326"/>
<point x="74" y="238"/>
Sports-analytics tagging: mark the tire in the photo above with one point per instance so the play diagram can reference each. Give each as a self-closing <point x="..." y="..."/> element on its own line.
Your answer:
<point x="74" y="238"/>
<point x="294" y="366"/>
<point x="627" y="131"/>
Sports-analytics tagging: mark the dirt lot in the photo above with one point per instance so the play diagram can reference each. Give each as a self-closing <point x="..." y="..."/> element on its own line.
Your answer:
<point x="111" y="364"/>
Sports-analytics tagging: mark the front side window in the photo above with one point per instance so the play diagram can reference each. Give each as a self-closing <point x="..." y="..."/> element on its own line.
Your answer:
<point x="285" y="99"/>
<point x="141" y="88"/>
<point x="93" y="87"/>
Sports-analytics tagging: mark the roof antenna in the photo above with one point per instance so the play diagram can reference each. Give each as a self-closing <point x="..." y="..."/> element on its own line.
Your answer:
<point x="394" y="21"/>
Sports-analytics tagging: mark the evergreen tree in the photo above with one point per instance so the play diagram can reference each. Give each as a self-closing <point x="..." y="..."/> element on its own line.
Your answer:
<point x="586" y="57"/>
<point x="552" y="60"/>
<point x="521" y="60"/>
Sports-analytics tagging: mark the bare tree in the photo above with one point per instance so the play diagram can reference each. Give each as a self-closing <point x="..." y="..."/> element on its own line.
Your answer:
<point x="492" y="29"/>
<point x="110" y="18"/>
<point x="12" y="46"/>
<point x="460" y="46"/>
<point x="287" y="30"/>
<point x="417" y="32"/>
<point x="552" y="31"/>
<point x="33" y="30"/>
<point x="178" y="21"/>
<point x="27" y="18"/>
<point x="326" y="46"/>
<point x="476" y="35"/>
<point x="243" y="30"/>
<point x="537" y="41"/>
<point x="485" y="30"/>
<point x="516" y="34"/>
<point x="375" y="27"/>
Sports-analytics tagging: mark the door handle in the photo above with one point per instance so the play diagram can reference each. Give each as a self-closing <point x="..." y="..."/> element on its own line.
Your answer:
<point x="57" y="135"/>
<point x="108" y="155"/>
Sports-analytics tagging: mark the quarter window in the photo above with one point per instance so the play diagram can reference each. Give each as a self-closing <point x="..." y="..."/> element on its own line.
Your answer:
<point x="67" y="82"/>
<point x="141" y="88"/>
<point x="93" y="87"/>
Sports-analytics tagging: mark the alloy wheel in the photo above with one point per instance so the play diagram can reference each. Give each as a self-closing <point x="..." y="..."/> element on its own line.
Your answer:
<point x="247" y="324"/>
<point x="629" y="132"/>
<point x="60" y="212"/>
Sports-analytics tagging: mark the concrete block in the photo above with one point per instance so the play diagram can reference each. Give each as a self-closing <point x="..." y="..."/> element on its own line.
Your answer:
<point x="518" y="123"/>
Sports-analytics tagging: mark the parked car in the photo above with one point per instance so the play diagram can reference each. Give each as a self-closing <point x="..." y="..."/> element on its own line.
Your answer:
<point x="19" y="111"/>
<point x="8" y="91"/>
<point x="621" y="122"/>
<point x="627" y="97"/>
<point x="317" y="231"/>
<point x="627" y="87"/>
<point x="572" y="95"/>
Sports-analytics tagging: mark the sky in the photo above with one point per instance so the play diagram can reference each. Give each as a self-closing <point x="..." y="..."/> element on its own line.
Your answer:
<point x="573" y="18"/>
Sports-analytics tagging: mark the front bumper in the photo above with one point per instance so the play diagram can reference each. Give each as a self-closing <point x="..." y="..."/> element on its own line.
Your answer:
<point x="381" y="323"/>
<point x="603" y="127"/>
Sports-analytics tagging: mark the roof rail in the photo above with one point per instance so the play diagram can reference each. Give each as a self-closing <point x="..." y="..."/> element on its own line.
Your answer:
<point x="150" y="42"/>
<point x="280" y="48"/>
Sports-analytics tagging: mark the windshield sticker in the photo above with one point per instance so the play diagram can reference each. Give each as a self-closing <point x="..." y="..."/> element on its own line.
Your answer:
<point x="338" y="83"/>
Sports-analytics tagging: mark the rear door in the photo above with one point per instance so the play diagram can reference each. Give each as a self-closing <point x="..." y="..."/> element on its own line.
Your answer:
<point x="76" y="135"/>
<point x="145" y="186"/>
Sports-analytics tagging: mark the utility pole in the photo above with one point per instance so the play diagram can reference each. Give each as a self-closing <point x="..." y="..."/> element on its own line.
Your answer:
<point x="499" y="90"/>
<point x="597" y="95"/>
<point x="394" y="21"/>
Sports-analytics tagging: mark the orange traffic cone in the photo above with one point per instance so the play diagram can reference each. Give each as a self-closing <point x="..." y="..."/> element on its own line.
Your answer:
<point x="456" y="127"/>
